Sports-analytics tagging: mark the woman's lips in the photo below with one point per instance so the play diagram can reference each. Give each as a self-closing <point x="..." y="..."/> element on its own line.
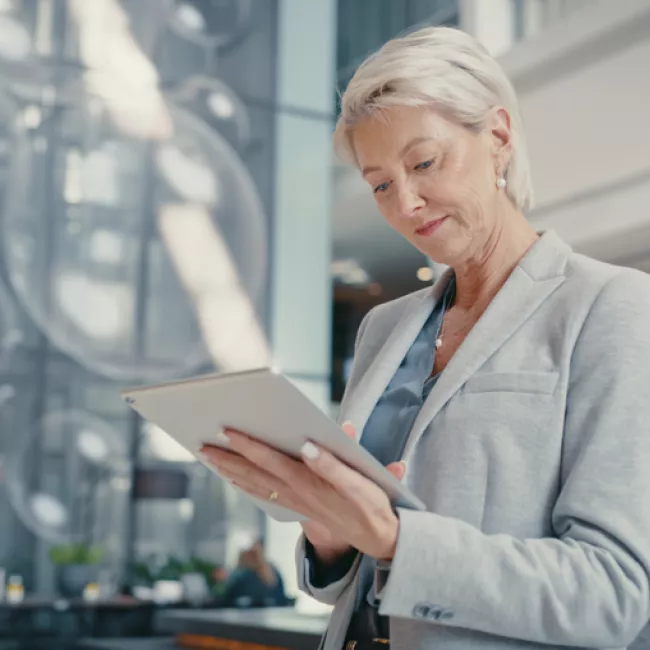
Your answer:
<point x="430" y="227"/>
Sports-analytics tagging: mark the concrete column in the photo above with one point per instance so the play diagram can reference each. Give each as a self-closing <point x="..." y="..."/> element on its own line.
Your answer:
<point x="300" y="286"/>
<point x="491" y="22"/>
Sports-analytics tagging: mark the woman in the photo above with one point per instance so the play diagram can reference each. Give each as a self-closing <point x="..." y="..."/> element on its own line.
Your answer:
<point x="255" y="582"/>
<point x="514" y="392"/>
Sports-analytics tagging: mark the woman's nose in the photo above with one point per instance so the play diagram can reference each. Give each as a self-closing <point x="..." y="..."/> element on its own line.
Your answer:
<point x="409" y="202"/>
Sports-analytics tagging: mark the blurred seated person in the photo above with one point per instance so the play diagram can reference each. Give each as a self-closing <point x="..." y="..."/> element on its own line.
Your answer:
<point x="255" y="582"/>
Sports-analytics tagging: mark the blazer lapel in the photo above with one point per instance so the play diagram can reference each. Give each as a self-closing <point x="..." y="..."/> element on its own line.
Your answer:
<point x="532" y="281"/>
<point x="374" y="382"/>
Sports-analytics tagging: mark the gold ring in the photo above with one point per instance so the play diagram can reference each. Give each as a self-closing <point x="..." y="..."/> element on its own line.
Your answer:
<point x="274" y="496"/>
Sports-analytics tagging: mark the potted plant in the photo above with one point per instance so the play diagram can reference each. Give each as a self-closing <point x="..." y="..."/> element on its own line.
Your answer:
<point x="201" y="579"/>
<point x="76" y="566"/>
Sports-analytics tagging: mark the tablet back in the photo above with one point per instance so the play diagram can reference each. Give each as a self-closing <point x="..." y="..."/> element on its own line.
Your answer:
<point x="263" y="404"/>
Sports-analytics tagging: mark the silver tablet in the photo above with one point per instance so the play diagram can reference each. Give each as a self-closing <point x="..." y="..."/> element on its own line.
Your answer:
<point x="265" y="405"/>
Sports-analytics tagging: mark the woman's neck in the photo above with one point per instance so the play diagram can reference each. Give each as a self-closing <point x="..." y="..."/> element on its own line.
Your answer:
<point x="479" y="279"/>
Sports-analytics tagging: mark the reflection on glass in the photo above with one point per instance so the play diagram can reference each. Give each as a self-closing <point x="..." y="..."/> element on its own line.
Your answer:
<point x="224" y="309"/>
<point x="11" y="336"/>
<point x="211" y="23"/>
<point x="63" y="478"/>
<point x="83" y="247"/>
<point x="217" y="105"/>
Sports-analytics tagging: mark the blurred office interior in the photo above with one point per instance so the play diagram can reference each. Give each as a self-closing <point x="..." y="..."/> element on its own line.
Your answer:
<point x="170" y="206"/>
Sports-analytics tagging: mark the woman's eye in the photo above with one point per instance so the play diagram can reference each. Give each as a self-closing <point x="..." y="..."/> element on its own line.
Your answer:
<point x="382" y="187"/>
<point x="424" y="165"/>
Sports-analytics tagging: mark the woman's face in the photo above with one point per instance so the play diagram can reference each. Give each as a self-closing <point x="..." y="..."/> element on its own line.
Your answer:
<point x="434" y="180"/>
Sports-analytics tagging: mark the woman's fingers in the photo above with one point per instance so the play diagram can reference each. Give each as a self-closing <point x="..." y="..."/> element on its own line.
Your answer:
<point x="259" y="484"/>
<point x="254" y="480"/>
<point x="237" y="468"/>
<point x="221" y="458"/>
<point x="259" y="491"/>
<point x="272" y="461"/>
<point x="346" y="481"/>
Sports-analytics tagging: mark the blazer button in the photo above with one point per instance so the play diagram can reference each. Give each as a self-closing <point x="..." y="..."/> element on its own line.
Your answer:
<point x="432" y="612"/>
<point x="422" y="610"/>
<point x="440" y="614"/>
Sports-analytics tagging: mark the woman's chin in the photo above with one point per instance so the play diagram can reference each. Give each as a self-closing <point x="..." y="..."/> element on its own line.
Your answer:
<point x="443" y="251"/>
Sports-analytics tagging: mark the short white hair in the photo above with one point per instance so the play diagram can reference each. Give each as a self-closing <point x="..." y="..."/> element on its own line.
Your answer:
<point x="444" y="68"/>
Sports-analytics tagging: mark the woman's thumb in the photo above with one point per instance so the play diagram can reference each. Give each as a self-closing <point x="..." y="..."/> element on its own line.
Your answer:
<point x="397" y="469"/>
<point x="349" y="430"/>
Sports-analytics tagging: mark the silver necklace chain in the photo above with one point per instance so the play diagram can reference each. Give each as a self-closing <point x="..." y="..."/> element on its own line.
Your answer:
<point x="448" y="301"/>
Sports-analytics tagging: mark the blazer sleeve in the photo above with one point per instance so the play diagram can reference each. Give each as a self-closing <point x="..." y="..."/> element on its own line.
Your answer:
<point x="589" y="585"/>
<point x="326" y="584"/>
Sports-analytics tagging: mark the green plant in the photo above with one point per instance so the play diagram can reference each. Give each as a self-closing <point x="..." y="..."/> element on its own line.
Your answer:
<point x="145" y="573"/>
<point x="63" y="554"/>
<point x="173" y="569"/>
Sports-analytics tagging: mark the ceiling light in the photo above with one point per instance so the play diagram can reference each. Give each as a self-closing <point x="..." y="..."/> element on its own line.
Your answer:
<point x="92" y="447"/>
<point x="211" y="23"/>
<point x="186" y="509"/>
<point x="221" y="105"/>
<point x="48" y="510"/>
<point x="349" y="272"/>
<point x="217" y="105"/>
<point x="190" y="17"/>
<point x="425" y="274"/>
<point x="32" y="117"/>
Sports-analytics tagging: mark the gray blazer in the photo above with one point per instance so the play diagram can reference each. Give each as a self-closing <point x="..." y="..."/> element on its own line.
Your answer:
<point x="532" y="454"/>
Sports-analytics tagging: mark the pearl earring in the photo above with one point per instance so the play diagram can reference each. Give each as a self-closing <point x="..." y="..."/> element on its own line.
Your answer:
<point x="501" y="183"/>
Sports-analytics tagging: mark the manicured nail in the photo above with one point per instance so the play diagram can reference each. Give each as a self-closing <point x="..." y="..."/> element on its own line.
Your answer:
<point x="310" y="451"/>
<point x="222" y="438"/>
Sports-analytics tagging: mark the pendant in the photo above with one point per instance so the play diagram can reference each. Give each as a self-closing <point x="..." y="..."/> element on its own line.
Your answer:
<point x="438" y="343"/>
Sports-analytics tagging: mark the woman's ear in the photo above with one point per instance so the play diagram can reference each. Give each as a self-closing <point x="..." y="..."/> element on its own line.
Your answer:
<point x="498" y="126"/>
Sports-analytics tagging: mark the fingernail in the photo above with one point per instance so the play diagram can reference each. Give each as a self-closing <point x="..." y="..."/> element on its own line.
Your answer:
<point x="222" y="438"/>
<point x="310" y="451"/>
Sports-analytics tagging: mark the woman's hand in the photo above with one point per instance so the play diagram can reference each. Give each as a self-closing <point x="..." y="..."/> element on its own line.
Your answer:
<point x="344" y="508"/>
<point x="327" y="547"/>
